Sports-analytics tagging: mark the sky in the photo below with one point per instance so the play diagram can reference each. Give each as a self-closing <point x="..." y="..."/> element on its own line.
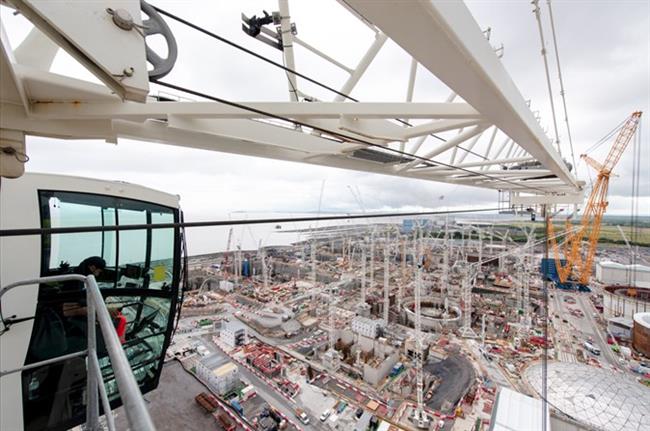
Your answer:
<point x="604" y="48"/>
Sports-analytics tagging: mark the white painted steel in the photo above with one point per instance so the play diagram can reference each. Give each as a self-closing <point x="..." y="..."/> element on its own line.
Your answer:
<point x="361" y="68"/>
<point x="470" y="66"/>
<point x="321" y="54"/>
<point x="19" y="209"/>
<point x="38" y="102"/>
<point x="69" y="25"/>
<point x="287" y="48"/>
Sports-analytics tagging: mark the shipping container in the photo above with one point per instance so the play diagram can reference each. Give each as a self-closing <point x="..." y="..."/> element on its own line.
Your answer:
<point x="248" y="392"/>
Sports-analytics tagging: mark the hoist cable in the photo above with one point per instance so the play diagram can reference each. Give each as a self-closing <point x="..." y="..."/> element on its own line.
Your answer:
<point x="604" y="139"/>
<point x="562" y="92"/>
<point x="636" y="176"/>
<point x="287" y="69"/>
<point x="538" y="16"/>
<point x="250" y="52"/>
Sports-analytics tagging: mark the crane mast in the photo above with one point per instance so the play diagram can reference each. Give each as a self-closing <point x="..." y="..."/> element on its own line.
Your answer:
<point x="581" y="265"/>
<point x="420" y="417"/>
<point x="226" y="255"/>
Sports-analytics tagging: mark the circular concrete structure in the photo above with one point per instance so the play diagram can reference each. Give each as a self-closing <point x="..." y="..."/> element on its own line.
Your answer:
<point x="641" y="333"/>
<point x="432" y="310"/>
<point x="597" y="397"/>
<point x="625" y="301"/>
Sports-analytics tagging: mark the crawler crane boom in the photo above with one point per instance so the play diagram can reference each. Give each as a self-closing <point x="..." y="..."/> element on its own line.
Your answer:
<point x="578" y="262"/>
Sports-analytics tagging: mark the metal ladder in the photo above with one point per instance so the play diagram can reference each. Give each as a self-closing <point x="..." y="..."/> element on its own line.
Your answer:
<point x="134" y="405"/>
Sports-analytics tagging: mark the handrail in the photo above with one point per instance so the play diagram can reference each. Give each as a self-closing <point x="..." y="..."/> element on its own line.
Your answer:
<point x="97" y="312"/>
<point x="50" y="279"/>
<point x="136" y="410"/>
<point x="45" y="362"/>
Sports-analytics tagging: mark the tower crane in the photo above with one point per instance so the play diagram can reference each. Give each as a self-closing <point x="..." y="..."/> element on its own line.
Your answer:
<point x="577" y="262"/>
<point x="226" y="255"/>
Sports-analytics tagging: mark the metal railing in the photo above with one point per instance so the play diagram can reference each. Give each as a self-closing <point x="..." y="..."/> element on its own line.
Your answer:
<point x="97" y="312"/>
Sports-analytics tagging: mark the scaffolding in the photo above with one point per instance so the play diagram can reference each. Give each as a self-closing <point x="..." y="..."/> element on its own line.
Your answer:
<point x="468" y="273"/>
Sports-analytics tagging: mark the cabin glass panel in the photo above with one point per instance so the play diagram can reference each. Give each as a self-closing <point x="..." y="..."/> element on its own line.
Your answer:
<point x="72" y="247"/>
<point x="132" y="251"/>
<point x="162" y="256"/>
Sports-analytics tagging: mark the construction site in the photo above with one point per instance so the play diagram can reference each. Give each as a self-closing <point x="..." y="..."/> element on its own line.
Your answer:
<point x="429" y="309"/>
<point x="418" y="324"/>
<point x="438" y="323"/>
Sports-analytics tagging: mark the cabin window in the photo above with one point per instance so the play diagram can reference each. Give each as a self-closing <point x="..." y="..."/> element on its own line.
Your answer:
<point x="144" y="339"/>
<point x="132" y="253"/>
<point x="74" y="247"/>
<point x="141" y="258"/>
<point x="162" y="252"/>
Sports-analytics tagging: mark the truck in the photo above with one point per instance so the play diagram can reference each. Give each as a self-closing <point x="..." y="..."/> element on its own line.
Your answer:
<point x="325" y="415"/>
<point x="238" y="408"/>
<point x="300" y="414"/>
<point x="397" y="368"/>
<point x="225" y="422"/>
<point x="207" y="402"/>
<point x="591" y="348"/>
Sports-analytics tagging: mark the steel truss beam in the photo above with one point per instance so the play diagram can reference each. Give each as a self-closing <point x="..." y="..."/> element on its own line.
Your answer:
<point x="444" y="138"/>
<point x="470" y="67"/>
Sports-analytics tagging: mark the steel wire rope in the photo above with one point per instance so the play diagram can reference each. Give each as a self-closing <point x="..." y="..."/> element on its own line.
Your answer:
<point x="184" y="224"/>
<point x="636" y="192"/>
<point x="599" y="143"/>
<point x="632" y="212"/>
<point x="638" y="187"/>
<point x="604" y="139"/>
<point x="342" y="137"/>
<point x="538" y="16"/>
<point x="286" y="69"/>
<point x="248" y="51"/>
<point x="562" y="93"/>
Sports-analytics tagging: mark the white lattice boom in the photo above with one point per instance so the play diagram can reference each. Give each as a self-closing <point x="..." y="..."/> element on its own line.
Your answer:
<point x="486" y="135"/>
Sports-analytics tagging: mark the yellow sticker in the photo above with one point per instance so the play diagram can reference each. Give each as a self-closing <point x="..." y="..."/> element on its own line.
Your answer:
<point x="159" y="273"/>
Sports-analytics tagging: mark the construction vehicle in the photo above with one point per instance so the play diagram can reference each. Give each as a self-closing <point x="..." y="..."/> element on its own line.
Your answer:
<point x="300" y="414"/>
<point x="397" y="368"/>
<point x="579" y="263"/>
<point x="238" y="408"/>
<point x="225" y="423"/>
<point x="207" y="401"/>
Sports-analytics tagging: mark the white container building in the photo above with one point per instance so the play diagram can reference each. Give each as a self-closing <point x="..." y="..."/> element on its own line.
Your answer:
<point x="370" y="328"/>
<point x="608" y="272"/>
<point x="233" y="334"/>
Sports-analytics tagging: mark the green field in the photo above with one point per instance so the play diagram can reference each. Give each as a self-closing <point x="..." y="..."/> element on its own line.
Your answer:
<point x="608" y="233"/>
